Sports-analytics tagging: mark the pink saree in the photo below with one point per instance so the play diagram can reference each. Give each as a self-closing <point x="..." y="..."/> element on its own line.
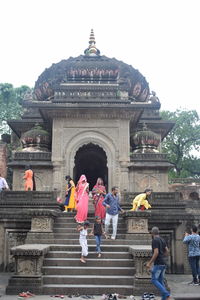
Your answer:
<point x="82" y="199"/>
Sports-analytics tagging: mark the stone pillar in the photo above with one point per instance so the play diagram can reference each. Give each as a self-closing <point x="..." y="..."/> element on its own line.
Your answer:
<point x="142" y="280"/>
<point x="137" y="225"/>
<point x="124" y="154"/>
<point x="41" y="227"/>
<point x="28" y="265"/>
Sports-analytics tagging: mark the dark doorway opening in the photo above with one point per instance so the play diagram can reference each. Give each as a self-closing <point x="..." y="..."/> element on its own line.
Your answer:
<point x="91" y="160"/>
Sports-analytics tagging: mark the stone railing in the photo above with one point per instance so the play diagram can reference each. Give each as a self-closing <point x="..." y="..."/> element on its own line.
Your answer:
<point x="28" y="269"/>
<point x="185" y="180"/>
<point x="30" y="156"/>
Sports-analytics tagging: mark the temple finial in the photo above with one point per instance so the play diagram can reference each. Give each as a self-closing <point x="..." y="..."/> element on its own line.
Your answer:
<point x="92" y="50"/>
<point x="92" y="38"/>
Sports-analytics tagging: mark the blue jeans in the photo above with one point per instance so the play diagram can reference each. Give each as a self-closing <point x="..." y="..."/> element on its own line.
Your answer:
<point x="157" y="278"/>
<point x="98" y="243"/>
<point x="194" y="264"/>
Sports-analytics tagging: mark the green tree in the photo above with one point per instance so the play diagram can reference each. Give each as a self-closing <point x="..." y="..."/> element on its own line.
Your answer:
<point x="183" y="142"/>
<point x="10" y="104"/>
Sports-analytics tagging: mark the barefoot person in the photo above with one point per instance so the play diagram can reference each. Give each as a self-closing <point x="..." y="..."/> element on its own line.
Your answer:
<point x="160" y="251"/>
<point x="111" y="202"/>
<point x="97" y="231"/>
<point x="140" y="202"/>
<point x="83" y="228"/>
<point x="82" y="198"/>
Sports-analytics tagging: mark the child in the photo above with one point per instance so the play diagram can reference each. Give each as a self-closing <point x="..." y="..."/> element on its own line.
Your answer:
<point x="82" y="228"/>
<point x="97" y="231"/>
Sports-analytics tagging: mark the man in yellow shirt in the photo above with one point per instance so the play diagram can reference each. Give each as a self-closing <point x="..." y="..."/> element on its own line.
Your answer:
<point x="141" y="201"/>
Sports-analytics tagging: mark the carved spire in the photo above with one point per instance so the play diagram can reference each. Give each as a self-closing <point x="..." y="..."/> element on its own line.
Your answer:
<point x="92" y="49"/>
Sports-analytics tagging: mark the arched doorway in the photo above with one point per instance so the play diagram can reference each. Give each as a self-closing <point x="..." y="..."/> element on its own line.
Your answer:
<point x="91" y="160"/>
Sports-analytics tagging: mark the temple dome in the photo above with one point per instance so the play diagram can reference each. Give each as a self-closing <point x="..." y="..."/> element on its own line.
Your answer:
<point x="145" y="141"/>
<point x="36" y="139"/>
<point x="92" y="68"/>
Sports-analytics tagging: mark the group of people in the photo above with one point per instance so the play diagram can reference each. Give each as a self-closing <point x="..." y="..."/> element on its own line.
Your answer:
<point x="77" y="198"/>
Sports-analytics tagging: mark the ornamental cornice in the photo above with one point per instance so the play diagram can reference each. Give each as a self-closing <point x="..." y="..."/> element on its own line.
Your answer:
<point x="94" y="115"/>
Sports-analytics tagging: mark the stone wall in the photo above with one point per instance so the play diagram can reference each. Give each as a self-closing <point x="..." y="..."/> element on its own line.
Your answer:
<point x="43" y="178"/>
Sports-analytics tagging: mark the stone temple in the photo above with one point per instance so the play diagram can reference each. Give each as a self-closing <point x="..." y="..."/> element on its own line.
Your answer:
<point x="96" y="116"/>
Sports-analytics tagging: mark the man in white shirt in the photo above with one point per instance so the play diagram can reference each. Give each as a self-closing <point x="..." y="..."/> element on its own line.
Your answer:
<point x="3" y="184"/>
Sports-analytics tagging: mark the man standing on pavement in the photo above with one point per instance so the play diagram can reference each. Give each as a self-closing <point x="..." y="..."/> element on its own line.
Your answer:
<point x="193" y="242"/>
<point x="111" y="202"/>
<point x="159" y="252"/>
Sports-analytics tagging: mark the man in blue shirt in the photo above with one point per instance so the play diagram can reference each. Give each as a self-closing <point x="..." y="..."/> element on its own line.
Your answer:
<point x="111" y="202"/>
<point x="193" y="242"/>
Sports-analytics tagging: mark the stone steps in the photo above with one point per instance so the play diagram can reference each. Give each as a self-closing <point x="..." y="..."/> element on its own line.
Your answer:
<point x="87" y="289"/>
<point x="103" y="262"/>
<point x="92" y="242"/>
<point x="87" y="270"/>
<point x="76" y="254"/>
<point x="73" y="230"/>
<point x="63" y="273"/>
<point x="88" y="279"/>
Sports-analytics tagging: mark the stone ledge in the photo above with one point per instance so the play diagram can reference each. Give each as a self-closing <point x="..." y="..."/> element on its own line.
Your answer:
<point x="30" y="250"/>
<point x="140" y="251"/>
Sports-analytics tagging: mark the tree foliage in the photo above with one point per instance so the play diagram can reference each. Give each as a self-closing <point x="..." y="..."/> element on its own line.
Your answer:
<point x="183" y="143"/>
<point x="10" y="104"/>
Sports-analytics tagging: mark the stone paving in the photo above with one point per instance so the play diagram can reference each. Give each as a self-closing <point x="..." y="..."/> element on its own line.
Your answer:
<point x="177" y="283"/>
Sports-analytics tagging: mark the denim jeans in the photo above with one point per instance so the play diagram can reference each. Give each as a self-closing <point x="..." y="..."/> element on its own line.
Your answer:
<point x="157" y="278"/>
<point x="194" y="264"/>
<point x="98" y="243"/>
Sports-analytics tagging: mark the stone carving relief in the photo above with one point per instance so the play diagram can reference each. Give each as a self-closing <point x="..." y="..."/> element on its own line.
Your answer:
<point x="25" y="267"/>
<point x="136" y="225"/>
<point x="144" y="181"/>
<point x="41" y="224"/>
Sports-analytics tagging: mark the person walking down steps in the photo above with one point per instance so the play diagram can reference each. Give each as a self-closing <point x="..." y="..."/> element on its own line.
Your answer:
<point x="111" y="202"/>
<point x="97" y="231"/>
<point x="83" y="228"/>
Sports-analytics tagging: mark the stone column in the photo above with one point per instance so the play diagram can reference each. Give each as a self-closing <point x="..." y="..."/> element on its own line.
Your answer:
<point x="124" y="154"/>
<point x="142" y="280"/>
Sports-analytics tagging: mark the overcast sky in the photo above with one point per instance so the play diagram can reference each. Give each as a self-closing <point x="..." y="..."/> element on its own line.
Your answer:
<point x="160" y="38"/>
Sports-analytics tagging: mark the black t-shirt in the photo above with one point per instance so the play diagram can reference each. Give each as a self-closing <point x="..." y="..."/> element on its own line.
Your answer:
<point x="159" y="243"/>
<point x="97" y="229"/>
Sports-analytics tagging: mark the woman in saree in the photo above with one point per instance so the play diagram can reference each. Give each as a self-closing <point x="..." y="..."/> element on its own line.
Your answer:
<point x="69" y="199"/>
<point x="82" y="198"/>
<point x="98" y="194"/>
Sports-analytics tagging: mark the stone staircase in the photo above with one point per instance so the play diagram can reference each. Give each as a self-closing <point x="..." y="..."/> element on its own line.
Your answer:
<point x="65" y="274"/>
